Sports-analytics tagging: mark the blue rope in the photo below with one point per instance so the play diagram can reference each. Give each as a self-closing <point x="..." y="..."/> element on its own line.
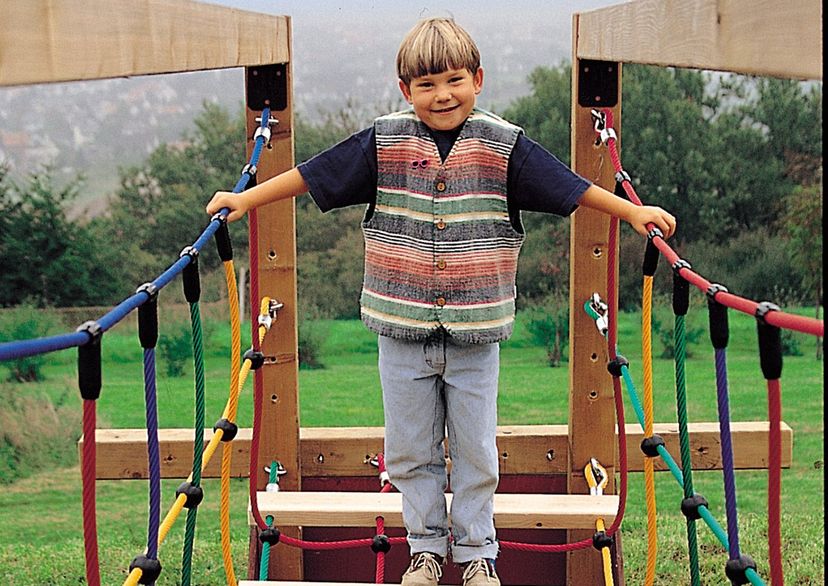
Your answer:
<point x="23" y="348"/>
<point x="152" y="454"/>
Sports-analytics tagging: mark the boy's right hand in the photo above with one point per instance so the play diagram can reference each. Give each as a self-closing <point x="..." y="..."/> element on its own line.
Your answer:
<point x="226" y="199"/>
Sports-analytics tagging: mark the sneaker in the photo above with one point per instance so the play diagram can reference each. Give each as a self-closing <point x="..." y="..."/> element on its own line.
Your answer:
<point x="425" y="570"/>
<point x="480" y="572"/>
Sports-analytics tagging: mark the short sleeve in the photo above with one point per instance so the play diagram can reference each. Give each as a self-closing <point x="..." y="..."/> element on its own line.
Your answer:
<point x="345" y="174"/>
<point x="540" y="182"/>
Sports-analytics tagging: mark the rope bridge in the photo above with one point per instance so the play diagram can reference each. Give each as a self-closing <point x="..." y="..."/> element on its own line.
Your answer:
<point x="146" y="567"/>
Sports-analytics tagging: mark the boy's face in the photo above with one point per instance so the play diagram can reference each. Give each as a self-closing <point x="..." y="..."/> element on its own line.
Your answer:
<point x="443" y="101"/>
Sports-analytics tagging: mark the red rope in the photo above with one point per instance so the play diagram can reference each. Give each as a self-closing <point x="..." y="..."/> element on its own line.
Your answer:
<point x="90" y="529"/>
<point x="775" y="482"/>
<point x="779" y="319"/>
<point x="380" y="574"/>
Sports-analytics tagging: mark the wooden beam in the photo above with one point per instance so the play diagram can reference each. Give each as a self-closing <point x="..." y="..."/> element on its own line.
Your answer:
<point x="44" y="41"/>
<point x="342" y="451"/>
<point x="361" y="509"/>
<point x="758" y="37"/>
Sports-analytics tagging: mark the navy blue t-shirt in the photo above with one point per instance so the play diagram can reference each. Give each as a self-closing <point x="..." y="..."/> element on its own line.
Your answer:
<point x="346" y="174"/>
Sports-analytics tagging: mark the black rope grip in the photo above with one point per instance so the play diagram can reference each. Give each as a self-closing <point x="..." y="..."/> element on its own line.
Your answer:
<point x="225" y="248"/>
<point x="651" y="255"/>
<point x="650" y="445"/>
<point x="690" y="506"/>
<point x="615" y="365"/>
<point x="717" y="316"/>
<point x="380" y="544"/>
<point x="770" y="342"/>
<point x="736" y="570"/>
<point x="89" y="361"/>
<point x="255" y="357"/>
<point x="194" y="494"/>
<point x="600" y="540"/>
<point x="229" y="428"/>
<point x="150" y="569"/>
<point x="189" y="276"/>
<point x="270" y="535"/>
<point x="681" y="294"/>
<point x="148" y="316"/>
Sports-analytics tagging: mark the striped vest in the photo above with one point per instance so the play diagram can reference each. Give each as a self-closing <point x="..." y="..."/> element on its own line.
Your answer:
<point x="440" y="250"/>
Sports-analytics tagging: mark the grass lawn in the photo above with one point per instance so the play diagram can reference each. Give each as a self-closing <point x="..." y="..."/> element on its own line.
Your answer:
<point x="41" y="514"/>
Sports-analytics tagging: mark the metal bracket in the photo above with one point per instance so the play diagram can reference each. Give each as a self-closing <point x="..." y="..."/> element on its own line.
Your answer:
<point x="267" y="87"/>
<point x="597" y="83"/>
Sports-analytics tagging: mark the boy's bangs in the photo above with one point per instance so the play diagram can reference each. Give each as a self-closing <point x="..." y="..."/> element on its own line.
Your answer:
<point x="437" y="47"/>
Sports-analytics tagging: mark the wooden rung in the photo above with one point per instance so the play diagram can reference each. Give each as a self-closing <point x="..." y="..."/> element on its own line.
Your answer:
<point x="341" y="451"/>
<point x="361" y="509"/>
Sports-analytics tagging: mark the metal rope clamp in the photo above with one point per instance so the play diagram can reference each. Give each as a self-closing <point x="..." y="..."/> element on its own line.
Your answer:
<point x="384" y="477"/>
<point x="601" y="126"/>
<point x="280" y="471"/>
<point x="596" y="477"/>
<point x="598" y="310"/>
<point x="266" y="319"/>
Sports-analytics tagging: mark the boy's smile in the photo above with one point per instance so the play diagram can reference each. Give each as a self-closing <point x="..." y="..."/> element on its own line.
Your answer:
<point x="444" y="100"/>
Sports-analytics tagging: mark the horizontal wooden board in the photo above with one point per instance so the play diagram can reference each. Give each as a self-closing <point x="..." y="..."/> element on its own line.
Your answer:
<point x="43" y="41"/>
<point x="759" y="37"/>
<point x="361" y="509"/>
<point x="346" y="451"/>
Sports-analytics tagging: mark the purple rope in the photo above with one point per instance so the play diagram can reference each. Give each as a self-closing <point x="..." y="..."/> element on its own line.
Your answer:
<point x="727" y="454"/>
<point x="152" y="454"/>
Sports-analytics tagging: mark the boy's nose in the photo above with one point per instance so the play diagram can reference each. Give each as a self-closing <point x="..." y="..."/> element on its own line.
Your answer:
<point x="443" y="95"/>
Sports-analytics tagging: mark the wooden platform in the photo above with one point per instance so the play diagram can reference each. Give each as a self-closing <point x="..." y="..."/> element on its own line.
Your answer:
<point x="344" y="451"/>
<point x="361" y="509"/>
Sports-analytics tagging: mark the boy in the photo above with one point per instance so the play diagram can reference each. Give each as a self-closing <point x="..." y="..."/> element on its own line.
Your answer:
<point x="444" y="182"/>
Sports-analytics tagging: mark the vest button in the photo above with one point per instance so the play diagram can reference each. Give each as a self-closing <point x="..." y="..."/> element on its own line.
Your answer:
<point x="441" y="186"/>
<point x="441" y="225"/>
<point x="441" y="264"/>
<point x="441" y="301"/>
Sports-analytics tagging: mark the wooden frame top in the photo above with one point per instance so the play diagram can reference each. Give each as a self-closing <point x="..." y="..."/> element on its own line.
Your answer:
<point x="72" y="40"/>
<point x="759" y="37"/>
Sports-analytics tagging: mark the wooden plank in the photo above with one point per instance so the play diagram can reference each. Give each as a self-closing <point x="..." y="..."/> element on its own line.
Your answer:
<point x="343" y="451"/>
<point x="759" y="37"/>
<point x="46" y="41"/>
<point x="591" y="403"/>
<point x="361" y="509"/>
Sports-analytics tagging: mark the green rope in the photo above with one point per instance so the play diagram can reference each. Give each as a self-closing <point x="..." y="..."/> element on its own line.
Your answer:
<point x="265" y="561"/>
<point x="198" y="440"/>
<point x="684" y="441"/>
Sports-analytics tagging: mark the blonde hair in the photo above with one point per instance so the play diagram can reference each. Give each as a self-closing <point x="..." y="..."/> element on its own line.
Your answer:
<point x="433" y="46"/>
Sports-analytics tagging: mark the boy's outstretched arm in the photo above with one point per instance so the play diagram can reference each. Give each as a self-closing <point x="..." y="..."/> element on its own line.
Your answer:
<point x="282" y="186"/>
<point x="598" y="198"/>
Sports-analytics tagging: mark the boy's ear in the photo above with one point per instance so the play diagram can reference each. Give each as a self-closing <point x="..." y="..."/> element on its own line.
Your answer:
<point x="406" y="91"/>
<point x="478" y="80"/>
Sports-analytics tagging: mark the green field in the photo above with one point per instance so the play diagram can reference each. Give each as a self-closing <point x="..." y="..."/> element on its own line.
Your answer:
<point x="41" y="514"/>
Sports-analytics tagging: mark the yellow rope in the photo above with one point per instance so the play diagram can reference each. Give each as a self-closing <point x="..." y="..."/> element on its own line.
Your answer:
<point x="134" y="576"/>
<point x="606" y="558"/>
<point x="649" y="470"/>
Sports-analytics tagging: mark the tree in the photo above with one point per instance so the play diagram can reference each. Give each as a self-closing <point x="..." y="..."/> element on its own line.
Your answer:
<point x="46" y="258"/>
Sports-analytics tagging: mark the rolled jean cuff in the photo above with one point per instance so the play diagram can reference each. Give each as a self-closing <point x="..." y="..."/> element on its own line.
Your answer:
<point x="461" y="554"/>
<point x="429" y="543"/>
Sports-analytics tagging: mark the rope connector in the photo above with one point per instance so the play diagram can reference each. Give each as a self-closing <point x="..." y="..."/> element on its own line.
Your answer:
<point x="280" y="470"/>
<point x="655" y="232"/>
<point x="650" y="445"/>
<point x="596" y="477"/>
<point x="271" y="121"/>
<point x="194" y="494"/>
<point x="190" y="251"/>
<point x="680" y="264"/>
<point x="219" y="217"/>
<point x="714" y="289"/>
<point x="622" y="176"/>
<point x="262" y="131"/>
<point x="599" y="118"/>
<point x="249" y="169"/>
<point x="690" y="506"/>
<point x="266" y="319"/>
<point x="763" y="309"/>
<point x="228" y="428"/>
<point x="600" y="540"/>
<point x="271" y="536"/>
<point x="378" y="461"/>
<point x="616" y="366"/>
<point x="150" y="569"/>
<point x="150" y="289"/>
<point x="736" y="570"/>
<point x="255" y="357"/>
<point x="380" y="544"/>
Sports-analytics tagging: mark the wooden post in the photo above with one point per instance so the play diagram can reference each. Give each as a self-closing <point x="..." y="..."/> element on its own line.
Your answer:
<point x="273" y="242"/>
<point x="591" y="404"/>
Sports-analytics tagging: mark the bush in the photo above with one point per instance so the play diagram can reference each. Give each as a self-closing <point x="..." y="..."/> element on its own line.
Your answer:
<point x="22" y="323"/>
<point x="548" y="326"/>
<point x="312" y="334"/>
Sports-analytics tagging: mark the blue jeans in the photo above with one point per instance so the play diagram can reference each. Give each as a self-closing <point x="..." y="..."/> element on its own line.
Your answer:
<point x="429" y="389"/>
